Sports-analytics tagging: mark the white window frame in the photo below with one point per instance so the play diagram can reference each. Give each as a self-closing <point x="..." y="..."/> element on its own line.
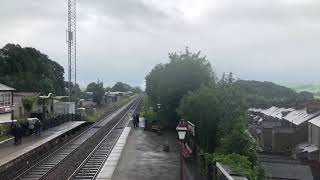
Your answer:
<point x="1" y="98"/>
<point x="7" y="99"/>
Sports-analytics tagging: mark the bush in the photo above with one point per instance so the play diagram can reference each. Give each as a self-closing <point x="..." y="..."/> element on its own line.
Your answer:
<point x="239" y="164"/>
<point x="4" y="130"/>
<point x="214" y="110"/>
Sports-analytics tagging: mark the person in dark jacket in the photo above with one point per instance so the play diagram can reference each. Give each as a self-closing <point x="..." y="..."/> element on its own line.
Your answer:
<point x="13" y="128"/>
<point x="19" y="134"/>
<point x="37" y="127"/>
<point x="138" y="117"/>
<point x="134" y="116"/>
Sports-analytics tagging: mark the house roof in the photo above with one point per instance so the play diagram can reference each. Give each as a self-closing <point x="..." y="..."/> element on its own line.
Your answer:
<point x="6" y="88"/>
<point x="311" y="148"/>
<point x="276" y="112"/>
<point x="315" y="121"/>
<point x="297" y="117"/>
<point x="287" y="171"/>
<point x="283" y="167"/>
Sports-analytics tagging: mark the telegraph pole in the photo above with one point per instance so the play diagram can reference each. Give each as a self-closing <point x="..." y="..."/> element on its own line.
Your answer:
<point x="72" y="46"/>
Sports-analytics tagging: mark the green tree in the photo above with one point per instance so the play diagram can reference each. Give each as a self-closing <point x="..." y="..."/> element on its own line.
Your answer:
<point x="98" y="92"/>
<point x="239" y="142"/>
<point x="27" y="103"/>
<point x="214" y="110"/>
<point x="168" y="83"/>
<point x="27" y="69"/>
<point x="136" y="90"/>
<point x="201" y="107"/>
<point x="122" y="87"/>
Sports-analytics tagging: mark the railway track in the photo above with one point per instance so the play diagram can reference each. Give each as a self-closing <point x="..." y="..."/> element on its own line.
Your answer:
<point x="43" y="168"/>
<point x="92" y="165"/>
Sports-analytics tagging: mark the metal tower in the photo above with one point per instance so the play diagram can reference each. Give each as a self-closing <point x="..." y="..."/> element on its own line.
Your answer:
<point x="72" y="46"/>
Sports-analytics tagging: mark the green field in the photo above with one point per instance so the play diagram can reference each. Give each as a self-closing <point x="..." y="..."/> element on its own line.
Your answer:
<point x="313" y="88"/>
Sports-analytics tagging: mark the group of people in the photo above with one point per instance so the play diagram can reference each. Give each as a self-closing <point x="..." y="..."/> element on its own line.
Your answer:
<point x="135" y="118"/>
<point x="35" y="127"/>
<point x="18" y="131"/>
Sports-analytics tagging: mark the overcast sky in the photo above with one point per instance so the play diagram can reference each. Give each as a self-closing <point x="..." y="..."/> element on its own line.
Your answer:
<point x="121" y="40"/>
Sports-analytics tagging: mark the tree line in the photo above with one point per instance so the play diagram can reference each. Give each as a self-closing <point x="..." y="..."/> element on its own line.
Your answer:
<point x="98" y="90"/>
<point x="187" y="87"/>
<point x="266" y="94"/>
<point x="27" y="69"/>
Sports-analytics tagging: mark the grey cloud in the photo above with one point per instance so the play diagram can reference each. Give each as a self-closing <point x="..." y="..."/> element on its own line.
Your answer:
<point x="273" y="40"/>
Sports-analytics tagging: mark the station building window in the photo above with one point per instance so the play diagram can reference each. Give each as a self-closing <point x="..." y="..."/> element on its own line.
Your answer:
<point x="5" y="98"/>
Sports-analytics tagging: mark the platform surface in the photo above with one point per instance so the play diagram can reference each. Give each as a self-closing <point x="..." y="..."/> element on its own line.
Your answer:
<point x="9" y="152"/>
<point x="143" y="158"/>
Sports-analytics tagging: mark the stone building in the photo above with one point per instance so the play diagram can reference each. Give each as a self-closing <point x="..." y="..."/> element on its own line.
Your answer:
<point x="293" y="131"/>
<point x="19" y="110"/>
<point x="6" y="103"/>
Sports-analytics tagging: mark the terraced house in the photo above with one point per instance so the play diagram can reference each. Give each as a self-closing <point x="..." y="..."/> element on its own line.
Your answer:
<point x="6" y="103"/>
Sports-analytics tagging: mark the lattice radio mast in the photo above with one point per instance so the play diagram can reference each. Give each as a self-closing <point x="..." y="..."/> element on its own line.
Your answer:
<point x="72" y="46"/>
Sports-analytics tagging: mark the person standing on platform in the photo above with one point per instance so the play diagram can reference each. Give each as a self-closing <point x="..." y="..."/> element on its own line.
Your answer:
<point x="138" y="117"/>
<point x="37" y="126"/>
<point x="134" y="120"/>
<point x="19" y="134"/>
<point x="13" y="128"/>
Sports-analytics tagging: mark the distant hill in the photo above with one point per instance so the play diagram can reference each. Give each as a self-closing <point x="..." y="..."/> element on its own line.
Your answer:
<point x="313" y="88"/>
<point x="268" y="93"/>
<point x="27" y="69"/>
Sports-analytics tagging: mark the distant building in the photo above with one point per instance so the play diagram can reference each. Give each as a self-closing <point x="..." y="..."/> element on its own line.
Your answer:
<point x="64" y="108"/>
<point x="263" y="121"/>
<point x="294" y="130"/>
<point x="6" y="103"/>
<point x="115" y="96"/>
<point x="309" y="150"/>
<point x="88" y="96"/>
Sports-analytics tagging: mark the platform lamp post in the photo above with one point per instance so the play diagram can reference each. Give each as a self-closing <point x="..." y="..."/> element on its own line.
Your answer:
<point x="182" y="130"/>
<point x="158" y="111"/>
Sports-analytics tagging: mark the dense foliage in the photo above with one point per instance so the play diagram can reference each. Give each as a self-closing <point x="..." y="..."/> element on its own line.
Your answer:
<point x="187" y="86"/>
<point x="239" y="164"/>
<point x="123" y="87"/>
<point x="27" y="103"/>
<point x="168" y="83"/>
<point x="214" y="110"/>
<point x="120" y="86"/>
<point x="27" y="69"/>
<point x="219" y="115"/>
<point x="265" y="94"/>
<point x="98" y="92"/>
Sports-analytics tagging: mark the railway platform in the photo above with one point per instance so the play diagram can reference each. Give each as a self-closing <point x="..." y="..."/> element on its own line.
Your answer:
<point x="139" y="155"/>
<point x="32" y="146"/>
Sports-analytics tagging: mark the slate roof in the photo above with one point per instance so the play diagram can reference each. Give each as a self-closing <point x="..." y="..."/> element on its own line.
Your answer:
<point x="282" y="167"/>
<point x="6" y="88"/>
<point x="276" y="112"/>
<point x="287" y="171"/>
<point x="315" y="121"/>
<point x="297" y="117"/>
